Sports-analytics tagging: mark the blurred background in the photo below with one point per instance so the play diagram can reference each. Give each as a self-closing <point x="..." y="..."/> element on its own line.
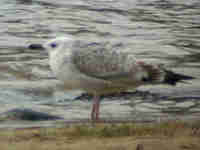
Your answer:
<point x="160" y="31"/>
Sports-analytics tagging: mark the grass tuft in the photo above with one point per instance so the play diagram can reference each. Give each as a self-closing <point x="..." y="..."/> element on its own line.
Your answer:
<point x="174" y="135"/>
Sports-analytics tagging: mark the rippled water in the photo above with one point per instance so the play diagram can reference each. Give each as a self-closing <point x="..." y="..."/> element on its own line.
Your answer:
<point x="166" y="31"/>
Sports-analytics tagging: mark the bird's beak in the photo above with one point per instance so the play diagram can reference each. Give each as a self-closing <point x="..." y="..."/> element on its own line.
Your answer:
<point x="36" y="46"/>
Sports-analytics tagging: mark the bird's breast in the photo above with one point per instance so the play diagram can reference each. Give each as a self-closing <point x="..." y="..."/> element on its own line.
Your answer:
<point x="64" y="71"/>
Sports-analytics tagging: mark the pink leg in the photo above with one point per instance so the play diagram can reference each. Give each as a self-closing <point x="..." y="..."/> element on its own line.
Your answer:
<point x="93" y="112"/>
<point x="95" y="108"/>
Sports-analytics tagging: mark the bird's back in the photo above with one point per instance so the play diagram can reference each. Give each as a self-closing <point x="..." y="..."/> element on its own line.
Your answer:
<point x="103" y="62"/>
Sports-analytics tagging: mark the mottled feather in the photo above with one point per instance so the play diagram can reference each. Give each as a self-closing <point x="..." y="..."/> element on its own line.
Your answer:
<point x="103" y="62"/>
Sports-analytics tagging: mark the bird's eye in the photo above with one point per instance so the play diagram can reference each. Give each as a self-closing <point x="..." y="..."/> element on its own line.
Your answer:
<point x="53" y="45"/>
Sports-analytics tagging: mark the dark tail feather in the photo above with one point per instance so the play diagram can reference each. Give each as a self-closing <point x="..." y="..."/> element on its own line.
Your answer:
<point x="172" y="78"/>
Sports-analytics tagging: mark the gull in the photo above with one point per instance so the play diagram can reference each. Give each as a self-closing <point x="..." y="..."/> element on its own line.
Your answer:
<point x="99" y="69"/>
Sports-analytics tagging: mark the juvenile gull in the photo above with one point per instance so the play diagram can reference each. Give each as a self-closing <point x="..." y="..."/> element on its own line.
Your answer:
<point x="98" y="70"/>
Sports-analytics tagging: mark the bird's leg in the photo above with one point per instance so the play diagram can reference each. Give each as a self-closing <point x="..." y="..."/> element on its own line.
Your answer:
<point x="95" y="108"/>
<point x="93" y="112"/>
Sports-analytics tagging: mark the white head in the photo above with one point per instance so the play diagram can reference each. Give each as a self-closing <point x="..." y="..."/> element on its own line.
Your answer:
<point x="58" y="44"/>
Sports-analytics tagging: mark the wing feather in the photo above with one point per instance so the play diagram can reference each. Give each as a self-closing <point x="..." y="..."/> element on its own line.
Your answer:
<point x="103" y="62"/>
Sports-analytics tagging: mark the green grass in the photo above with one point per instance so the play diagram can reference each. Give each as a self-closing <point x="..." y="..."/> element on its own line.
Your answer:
<point x="120" y="130"/>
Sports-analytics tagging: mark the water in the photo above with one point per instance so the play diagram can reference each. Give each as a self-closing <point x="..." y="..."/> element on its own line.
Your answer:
<point x="165" y="31"/>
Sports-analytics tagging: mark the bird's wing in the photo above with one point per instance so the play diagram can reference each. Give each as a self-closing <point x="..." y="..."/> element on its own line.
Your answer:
<point x="102" y="62"/>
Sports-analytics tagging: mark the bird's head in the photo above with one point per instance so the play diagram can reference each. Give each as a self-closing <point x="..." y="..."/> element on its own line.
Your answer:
<point x="58" y="43"/>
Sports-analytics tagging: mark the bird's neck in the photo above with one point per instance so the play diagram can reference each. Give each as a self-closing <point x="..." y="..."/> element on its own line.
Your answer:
<point x="56" y="59"/>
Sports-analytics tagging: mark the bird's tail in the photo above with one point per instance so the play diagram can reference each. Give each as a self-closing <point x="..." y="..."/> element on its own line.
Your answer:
<point x="172" y="78"/>
<point x="158" y="75"/>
